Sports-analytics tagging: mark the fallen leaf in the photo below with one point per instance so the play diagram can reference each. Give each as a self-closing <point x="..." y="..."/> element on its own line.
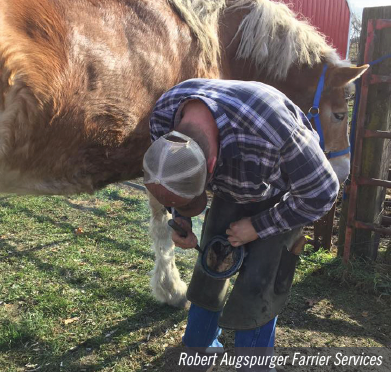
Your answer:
<point x="79" y="231"/>
<point x="122" y="277"/>
<point x="365" y="314"/>
<point x="71" y="320"/>
<point x="31" y="366"/>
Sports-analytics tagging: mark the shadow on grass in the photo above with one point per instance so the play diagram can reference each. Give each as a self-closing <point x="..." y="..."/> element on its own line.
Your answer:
<point x="74" y="277"/>
<point x="99" y="237"/>
<point x="157" y="320"/>
<point x="129" y="205"/>
<point x="111" y="194"/>
<point x="94" y="210"/>
<point x="12" y="252"/>
<point x="154" y="320"/>
<point x="39" y="218"/>
<point x="368" y="318"/>
<point x="69" y="227"/>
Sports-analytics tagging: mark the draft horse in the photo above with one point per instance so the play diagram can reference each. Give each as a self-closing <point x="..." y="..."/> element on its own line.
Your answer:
<point x="79" y="78"/>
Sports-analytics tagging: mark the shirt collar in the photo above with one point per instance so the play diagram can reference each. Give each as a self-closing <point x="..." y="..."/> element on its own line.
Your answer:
<point x="228" y="144"/>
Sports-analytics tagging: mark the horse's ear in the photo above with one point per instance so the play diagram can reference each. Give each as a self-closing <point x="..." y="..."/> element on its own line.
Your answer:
<point x="341" y="76"/>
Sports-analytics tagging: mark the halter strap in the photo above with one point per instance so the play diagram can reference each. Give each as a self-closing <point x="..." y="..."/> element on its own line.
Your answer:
<point x="313" y="113"/>
<point x="335" y="154"/>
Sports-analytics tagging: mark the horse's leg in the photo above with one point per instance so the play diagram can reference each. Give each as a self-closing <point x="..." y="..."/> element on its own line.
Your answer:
<point x="166" y="283"/>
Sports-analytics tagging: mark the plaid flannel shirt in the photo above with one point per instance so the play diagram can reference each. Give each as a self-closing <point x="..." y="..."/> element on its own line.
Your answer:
<point x="267" y="147"/>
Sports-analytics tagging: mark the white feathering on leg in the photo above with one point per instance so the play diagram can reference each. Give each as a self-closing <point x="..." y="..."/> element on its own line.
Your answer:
<point x="166" y="283"/>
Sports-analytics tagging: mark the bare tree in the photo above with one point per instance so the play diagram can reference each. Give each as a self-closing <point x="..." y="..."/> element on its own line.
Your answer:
<point x="355" y="37"/>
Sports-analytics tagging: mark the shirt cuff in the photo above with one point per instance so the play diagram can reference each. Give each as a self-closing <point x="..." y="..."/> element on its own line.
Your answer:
<point x="266" y="226"/>
<point x="263" y="225"/>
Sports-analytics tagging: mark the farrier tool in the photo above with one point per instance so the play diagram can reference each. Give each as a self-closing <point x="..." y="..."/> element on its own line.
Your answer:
<point x="219" y="259"/>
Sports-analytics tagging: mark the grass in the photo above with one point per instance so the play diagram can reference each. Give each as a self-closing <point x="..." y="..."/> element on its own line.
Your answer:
<point x="367" y="276"/>
<point x="75" y="296"/>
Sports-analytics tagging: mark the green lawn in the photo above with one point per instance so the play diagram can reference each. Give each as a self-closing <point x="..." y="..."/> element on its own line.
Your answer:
<point x="74" y="290"/>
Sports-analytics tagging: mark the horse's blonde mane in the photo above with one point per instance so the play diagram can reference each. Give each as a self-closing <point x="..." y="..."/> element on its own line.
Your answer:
<point x="271" y="35"/>
<point x="274" y="39"/>
<point x="202" y="17"/>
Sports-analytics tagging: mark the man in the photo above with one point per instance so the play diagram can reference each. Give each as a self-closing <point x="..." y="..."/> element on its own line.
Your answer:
<point x="258" y="154"/>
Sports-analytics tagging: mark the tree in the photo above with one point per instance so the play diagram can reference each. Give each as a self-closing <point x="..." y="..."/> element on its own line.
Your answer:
<point x="356" y="25"/>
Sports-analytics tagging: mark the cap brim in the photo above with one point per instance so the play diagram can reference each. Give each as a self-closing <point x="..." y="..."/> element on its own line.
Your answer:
<point x="166" y="197"/>
<point x="185" y="207"/>
<point x="195" y="207"/>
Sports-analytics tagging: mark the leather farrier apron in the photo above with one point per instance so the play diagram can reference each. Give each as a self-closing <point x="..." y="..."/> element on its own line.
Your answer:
<point x="262" y="286"/>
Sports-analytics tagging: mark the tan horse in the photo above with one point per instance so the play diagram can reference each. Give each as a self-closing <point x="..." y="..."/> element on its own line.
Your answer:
<point x="79" y="78"/>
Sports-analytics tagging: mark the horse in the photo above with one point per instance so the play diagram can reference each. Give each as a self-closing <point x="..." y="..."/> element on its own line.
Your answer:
<point x="79" y="79"/>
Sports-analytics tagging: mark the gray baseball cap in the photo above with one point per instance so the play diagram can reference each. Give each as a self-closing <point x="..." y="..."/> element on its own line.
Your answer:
<point x="176" y="162"/>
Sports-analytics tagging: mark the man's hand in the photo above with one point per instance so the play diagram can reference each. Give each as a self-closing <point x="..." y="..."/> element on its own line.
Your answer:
<point x="241" y="232"/>
<point x="190" y="241"/>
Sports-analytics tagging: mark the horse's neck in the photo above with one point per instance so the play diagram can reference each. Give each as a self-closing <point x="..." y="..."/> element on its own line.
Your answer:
<point x="299" y="86"/>
<point x="300" y="83"/>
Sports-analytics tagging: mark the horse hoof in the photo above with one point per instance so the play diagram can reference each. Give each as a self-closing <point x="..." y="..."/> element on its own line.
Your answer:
<point x="181" y="304"/>
<point x="186" y="305"/>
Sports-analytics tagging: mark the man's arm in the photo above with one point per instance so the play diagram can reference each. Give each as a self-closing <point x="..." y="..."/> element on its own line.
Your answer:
<point x="313" y="187"/>
<point x="160" y="123"/>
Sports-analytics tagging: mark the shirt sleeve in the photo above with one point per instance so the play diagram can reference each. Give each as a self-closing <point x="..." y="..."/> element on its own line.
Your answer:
<point x="160" y="123"/>
<point x="313" y="186"/>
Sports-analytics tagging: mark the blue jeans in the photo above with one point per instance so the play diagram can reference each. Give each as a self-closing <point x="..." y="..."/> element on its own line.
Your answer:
<point x="202" y="331"/>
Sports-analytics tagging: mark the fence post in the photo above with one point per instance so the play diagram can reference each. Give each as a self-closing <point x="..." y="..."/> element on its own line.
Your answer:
<point x="376" y="151"/>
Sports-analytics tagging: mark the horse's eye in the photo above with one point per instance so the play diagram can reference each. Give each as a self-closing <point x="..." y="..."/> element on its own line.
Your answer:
<point x="339" y="116"/>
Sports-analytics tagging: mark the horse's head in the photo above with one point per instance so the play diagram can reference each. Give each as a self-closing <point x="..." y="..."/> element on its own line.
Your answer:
<point x="322" y="92"/>
<point x="263" y="40"/>
<point x="334" y="117"/>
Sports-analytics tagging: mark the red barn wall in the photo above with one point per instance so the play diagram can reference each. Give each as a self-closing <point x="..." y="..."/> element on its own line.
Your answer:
<point x="331" y="17"/>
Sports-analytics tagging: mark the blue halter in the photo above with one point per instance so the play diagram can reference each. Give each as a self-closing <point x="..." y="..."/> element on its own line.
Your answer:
<point x="313" y="113"/>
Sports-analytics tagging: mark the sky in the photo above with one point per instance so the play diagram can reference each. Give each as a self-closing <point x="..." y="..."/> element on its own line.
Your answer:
<point x="360" y="4"/>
